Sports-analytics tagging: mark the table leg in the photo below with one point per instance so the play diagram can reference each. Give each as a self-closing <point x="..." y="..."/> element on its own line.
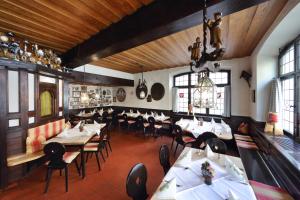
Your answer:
<point x="82" y="161"/>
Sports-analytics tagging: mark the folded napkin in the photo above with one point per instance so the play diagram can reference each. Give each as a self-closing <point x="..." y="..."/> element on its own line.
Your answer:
<point x="162" y="115"/>
<point x="167" y="190"/>
<point x="180" y="121"/>
<point x="195" y="120"/>
<point x="123" y="112"/>
<point x="212" y="121"/>
<point x="222" y="122"/>
<point x="233" y="170"/>
<point x="152" y="114"/>
<point x="146" y="116"/>
<point x="208" y="152"/>
<point x="101" y="112"/>
<point x="138" y="112"/>
<point x="96" y="122"/>
<point x="83" y="112"/>
<point x="111" y="110"/>
<point x="80" y="113"/>
<point x="77" y="126"/>
<point x="131" y="111"/>
<point x="232" y="195"/>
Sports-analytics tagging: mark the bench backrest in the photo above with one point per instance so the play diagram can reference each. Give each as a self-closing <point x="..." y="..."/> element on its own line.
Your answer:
<point x="37" y="135"/>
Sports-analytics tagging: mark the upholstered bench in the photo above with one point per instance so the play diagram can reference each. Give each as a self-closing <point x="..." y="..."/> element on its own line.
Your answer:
<point x="34" y="142"/>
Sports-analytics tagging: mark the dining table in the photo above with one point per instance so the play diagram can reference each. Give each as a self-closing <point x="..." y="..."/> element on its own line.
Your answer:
<point x="74" y="138"/>
<point x="158" y="118"/>
<point x="197" y="128"/>
<point x="185" y="181"/>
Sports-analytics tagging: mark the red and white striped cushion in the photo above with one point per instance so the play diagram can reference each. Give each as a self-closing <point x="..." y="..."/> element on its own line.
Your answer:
<point x="121" y="120"/>
<point x="246" y="145"/>
<point x="146" y="124"/>
<point x="68" y="157"/>
<point x="131" y="122"/>
<point x="157" y="126"/>
<point x="91" y="147"/>
<point x="188" y="139"/>
<point x="267" y="192"/>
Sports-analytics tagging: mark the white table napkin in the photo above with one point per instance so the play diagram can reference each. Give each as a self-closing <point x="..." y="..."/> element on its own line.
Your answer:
<point x="138" y="112"/>
<point x="96" y="122"/>
<point x="208" y="152"/>
<point x="233" y="170"/>
<point x="167" y="190"/>
<point x="101" y="112"/>
<point x="77" y="126"/>
<point x="123" y="112"/>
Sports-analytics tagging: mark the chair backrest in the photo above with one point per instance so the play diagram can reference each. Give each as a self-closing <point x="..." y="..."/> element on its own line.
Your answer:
<point x="54" y="151"/>
<point x="164" y="158"/>
<point x="125" y="117"/>
<point x="217" y="145"/>
<point x="139" y="121"/>
<point x="136" y="182"/>
<point x="96" y="117"/>
<point x="151" y="121"/>
<point x="201" y="140"/>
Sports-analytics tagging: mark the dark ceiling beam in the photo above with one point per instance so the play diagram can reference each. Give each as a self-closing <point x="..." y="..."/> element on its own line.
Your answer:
<point x="158" y="19"/>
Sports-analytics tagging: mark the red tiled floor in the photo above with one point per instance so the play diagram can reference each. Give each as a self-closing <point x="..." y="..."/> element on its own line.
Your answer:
<point x="128" y="149"/>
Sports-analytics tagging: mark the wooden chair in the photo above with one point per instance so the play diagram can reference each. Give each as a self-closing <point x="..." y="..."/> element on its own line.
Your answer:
<point x="96" y="117"/>
<point x="96" y="147"/>
<point x="152" y="126"/>
<point x="139" y="124"/>
<point x="104" y="117"/>
<point x="107" y="137"/>
<point x="217" y="145"/>
<point x="136" y="182"/>
<point x="127" y="122"/>
<point x="182" y="139"/>
<point x="164" y="158"/>
<point x="200" y="142"/>
<point x="59" y="159"/>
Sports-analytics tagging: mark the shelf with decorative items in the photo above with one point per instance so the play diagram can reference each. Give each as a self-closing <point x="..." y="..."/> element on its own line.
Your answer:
<point x="25" y="54"/>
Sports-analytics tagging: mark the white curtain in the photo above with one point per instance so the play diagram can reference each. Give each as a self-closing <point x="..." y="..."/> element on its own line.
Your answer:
<point x="227" y="106"/>
<point x="276" y="97"/>
<point x="175" y="99"/>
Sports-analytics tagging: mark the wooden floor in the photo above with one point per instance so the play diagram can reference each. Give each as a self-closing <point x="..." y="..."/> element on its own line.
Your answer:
<point x="128" y="149"/>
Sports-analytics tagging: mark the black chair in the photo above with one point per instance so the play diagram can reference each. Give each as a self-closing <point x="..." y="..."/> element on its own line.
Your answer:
<point x="152" y="126"/>
<point x="114" y="118"/>
<point x="96" y="147"/>
<point x="58" y="159"/>
<point x="200" y="142"/>
<point x="182" y="139"/>
<point x="139" y="123"/>
<point x="96" y="117"/>
<point x="217" y="145"/>
<point x="136" y="182"/>
<point x="106" y="138"/>
<point x="104" y="117"/>
<point x="164" y="158"/>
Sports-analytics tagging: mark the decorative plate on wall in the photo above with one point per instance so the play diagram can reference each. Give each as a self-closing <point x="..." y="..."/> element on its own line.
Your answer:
<point x="157" y="91"/>
<point x="121" y="94"/>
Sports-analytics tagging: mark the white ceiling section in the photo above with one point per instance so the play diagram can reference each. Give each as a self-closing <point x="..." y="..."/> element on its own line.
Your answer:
<point x="104" y="71"/>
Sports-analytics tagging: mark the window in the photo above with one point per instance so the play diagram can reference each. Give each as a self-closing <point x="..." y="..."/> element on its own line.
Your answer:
<point x="186" y="84"/>
<point x="289" y="73"/>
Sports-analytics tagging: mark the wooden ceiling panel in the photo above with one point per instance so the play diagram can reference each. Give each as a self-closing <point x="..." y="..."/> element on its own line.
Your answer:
<point x="63" y="24"/>
<point x="241" y="32"/>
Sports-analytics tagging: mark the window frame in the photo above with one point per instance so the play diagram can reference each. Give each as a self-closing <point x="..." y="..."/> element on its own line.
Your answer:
<point x="190" y="86"/>
<point x="296" y="75"/>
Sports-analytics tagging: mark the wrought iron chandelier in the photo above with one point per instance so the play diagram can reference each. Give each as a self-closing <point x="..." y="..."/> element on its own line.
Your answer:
<point x="205" y="93"/>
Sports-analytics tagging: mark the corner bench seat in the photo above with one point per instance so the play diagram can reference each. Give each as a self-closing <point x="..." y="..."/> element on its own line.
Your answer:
<point x="23" y="158"/>
<point x="34" y="142"/>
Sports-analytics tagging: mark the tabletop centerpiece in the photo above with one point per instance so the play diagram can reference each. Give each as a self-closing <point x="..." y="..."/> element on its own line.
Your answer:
<point x="207" y="172"/>
<point x="81" y="127"/>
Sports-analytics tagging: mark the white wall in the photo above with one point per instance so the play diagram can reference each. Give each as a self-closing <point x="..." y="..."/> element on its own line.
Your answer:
<point x="240" y="93"/>
<point x="264" y="58"/>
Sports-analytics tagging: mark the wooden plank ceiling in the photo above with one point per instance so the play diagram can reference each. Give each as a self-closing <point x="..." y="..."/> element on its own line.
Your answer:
<point x="241" y="33"/>
<point x="62" y="24"/>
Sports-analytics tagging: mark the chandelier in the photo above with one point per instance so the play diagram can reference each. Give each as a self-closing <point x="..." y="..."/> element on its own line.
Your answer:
<point x="141" y="89"/>
<point x="204" y="94"/>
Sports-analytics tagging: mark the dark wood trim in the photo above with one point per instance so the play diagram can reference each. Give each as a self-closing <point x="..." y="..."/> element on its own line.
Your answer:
<point x="3" y="129"/>
<point x="158" y="19"/>
<point x="94" y="79"/>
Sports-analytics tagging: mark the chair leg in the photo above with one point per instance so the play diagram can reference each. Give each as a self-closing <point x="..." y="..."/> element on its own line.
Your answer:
<point x="175" y="149"/>
<point x="108" y="142"/>
<point x="87" y="157"/>
<point x="97" y="158"/>
<point x="49" y="174"/>
<point x="172" y="144"/>
<point x="102" y="155"/>
<point x="66" y="178"/>
<point x="106" y="149"/>
<point x="77" y="167"/>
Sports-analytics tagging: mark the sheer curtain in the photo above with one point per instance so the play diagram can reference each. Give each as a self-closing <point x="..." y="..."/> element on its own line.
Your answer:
<point x="227" y="106"/>
<point x="276" y="98"/>
<point x="175" y="99"/>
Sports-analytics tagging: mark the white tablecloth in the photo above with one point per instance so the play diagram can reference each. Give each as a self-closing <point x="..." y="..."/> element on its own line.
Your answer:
<point x="190" y="183"/>
<point x="157" y="118"/>
<point x="89" y="129"/>
<point x="223" y="131"/>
